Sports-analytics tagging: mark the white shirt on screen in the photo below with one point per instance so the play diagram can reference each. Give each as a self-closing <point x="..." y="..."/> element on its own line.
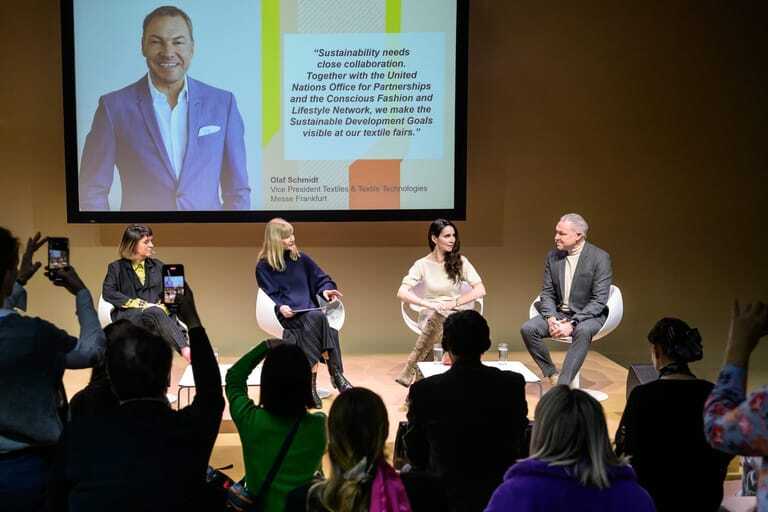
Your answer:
<point x="172" y="123"/>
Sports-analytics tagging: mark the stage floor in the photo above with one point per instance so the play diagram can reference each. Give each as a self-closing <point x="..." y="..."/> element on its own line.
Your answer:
<point x="377" y="372"/>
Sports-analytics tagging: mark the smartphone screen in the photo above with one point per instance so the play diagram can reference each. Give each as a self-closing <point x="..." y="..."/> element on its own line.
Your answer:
<point x="173" y="283"/>
<point x="58" y="253"/>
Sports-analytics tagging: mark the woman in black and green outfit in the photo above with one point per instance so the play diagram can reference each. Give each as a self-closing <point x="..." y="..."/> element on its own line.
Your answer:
<point x="286" y="393"/>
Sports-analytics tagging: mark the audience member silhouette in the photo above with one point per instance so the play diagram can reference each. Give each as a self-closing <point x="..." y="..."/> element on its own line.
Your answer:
<point x="734" y="422"/>
<point x="662" y="430"/>
<point x="467" y="426"/>
<point x="286" y="393"/>
<point x="97" y="396"/>
<point x="572" y="466"/>
<point x="33" y="356"/>
<point x="361" y="479"/>
<point x="143" y="455"/>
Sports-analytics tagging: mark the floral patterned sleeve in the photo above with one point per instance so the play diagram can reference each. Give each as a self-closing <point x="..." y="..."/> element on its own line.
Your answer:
<point x="736" y="424"/>
<point x="732" y="422"/>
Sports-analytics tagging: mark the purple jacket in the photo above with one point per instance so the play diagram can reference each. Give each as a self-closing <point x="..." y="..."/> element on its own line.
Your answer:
<point x="125" y="134"/>
<point x="532" y="485"/>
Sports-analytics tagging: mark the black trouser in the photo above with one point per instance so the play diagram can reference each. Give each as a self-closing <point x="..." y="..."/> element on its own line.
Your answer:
<point x="536" y="329"/>
<point x="156" y="320"/>
<point x="311" y="332"/>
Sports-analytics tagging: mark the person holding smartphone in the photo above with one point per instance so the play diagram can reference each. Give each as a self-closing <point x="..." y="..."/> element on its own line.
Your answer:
<point x="292" y="280"/>
<point x="142" y="454"/>
<point x="134" y="285"/>
<point x="33" y="356"/>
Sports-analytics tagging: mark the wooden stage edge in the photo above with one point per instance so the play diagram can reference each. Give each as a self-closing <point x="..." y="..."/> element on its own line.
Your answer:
<point x="377" y="372"/>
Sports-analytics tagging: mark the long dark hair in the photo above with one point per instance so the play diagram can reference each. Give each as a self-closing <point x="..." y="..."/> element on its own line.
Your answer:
<point x="453" y="263"/>
<point x="286" y="382"/>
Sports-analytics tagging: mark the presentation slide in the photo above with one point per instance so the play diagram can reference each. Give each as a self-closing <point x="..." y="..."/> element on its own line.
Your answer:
<point x="242" y="110"/>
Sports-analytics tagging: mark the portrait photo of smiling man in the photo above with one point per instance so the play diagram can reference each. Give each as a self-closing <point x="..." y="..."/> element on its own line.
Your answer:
<point x="177" y="143"/>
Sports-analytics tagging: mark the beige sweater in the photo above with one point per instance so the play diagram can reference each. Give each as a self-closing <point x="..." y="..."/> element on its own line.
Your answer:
<point x="437" y="285"/>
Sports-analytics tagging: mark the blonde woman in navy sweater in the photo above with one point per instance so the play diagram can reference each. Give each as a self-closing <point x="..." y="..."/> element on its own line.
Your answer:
<point x="293" y="280"/>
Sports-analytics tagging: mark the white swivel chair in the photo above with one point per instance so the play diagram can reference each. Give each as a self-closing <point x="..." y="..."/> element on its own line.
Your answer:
<point x="267" y="320"/>
<point x="266" y="316"/>
<point x="615" y="313"/>
<point x="105" y="312"/>
<point x="105" y="318"/>
<point x="410" y="312"/>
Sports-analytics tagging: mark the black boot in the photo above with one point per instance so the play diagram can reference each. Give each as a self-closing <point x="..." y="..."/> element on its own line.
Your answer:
<point x="338" y="379"/>
<point x="315" y="396"/>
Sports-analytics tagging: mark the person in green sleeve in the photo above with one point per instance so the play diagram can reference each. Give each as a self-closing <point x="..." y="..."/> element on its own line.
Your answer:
<point x="286" y="394"/>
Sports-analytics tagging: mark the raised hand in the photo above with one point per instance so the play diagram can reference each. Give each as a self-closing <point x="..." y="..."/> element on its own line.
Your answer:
<point x="749" y="323"/>
<point x="187" y="309"/>
<point x="66" y="278"/>
<point x="27" y="267"/>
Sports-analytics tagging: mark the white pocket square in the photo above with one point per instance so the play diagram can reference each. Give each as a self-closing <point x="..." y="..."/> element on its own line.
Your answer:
<point x="207" y="130"/>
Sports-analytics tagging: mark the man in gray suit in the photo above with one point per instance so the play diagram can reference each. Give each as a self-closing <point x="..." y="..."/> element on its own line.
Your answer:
<point x="577" y="280"/>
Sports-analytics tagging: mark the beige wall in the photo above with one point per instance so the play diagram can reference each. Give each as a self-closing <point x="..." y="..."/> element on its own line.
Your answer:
<point x="649" y="120"/>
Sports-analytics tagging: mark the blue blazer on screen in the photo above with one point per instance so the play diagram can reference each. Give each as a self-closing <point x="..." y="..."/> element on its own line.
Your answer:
<point x="125" y="134"/>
